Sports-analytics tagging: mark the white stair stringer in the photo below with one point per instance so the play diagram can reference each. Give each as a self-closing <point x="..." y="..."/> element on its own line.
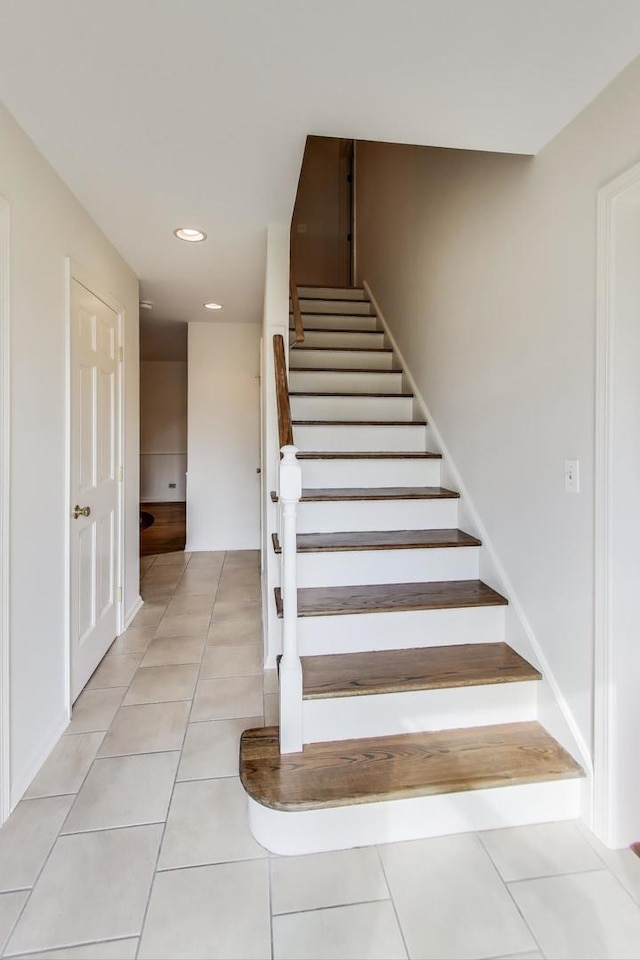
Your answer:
<point x="357" y="825"/>
<point x="386" y="714"/>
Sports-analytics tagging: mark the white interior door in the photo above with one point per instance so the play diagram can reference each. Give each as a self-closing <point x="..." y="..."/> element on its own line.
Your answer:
<point x="94" y="482"/>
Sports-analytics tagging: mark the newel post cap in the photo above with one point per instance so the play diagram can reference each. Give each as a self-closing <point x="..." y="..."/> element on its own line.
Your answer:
<point x="290" y="474"/>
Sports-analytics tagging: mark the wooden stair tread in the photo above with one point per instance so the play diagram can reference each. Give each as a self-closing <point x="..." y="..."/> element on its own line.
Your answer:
<point x="367" y="455"/>
<point x="392" y="597"/>
<point x="380" y="540"/>
<point x="322" y="393"/>
<point x="375" y="769"/>
<point x="301" y="346"/>
<point x="367" y="330"/>
<point x="324" y="494"/>
<point x="427" y="668"/>
<point x="359" y="423"/>
<point x="343" y="370"/>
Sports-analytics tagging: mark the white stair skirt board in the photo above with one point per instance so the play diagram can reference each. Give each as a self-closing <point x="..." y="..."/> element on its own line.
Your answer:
<point x="351" y="307"/>
<point x="338" y="321"/>
<point x="341" y="338"/>
<point x="354" y="438"/>
<point x="385" y="714"/>
<point x="363" y="824"/>
<point x="352" y="408"/>
<point x="345" y="381"/>
<point x="355" y="633"/>
<point x="365" y="359"/>
<point x="357" y="515"/>
<point x="370" y="473"/>
<point x="352" y="567"/>
<point x="333" y="293"/>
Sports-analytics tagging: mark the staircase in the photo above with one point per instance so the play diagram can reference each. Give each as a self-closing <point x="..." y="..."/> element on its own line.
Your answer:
<point x="418" y="719"/>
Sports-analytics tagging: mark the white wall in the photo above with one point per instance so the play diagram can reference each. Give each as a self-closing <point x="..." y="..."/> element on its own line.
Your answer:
<point x="47" y="225"/>
<point x="484" y="266"/>
<point x="163" y="430"/>
<point x="223" y="488"/>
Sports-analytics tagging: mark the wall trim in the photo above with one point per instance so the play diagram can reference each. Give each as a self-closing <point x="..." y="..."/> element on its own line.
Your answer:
<point x="580" y="744"/>
<point x="5" y="521"/>
<point x="74" y="271"/>
<point x="604" y="675"/>
<point x="55" y="732"/>
<point x="132" y="611"/>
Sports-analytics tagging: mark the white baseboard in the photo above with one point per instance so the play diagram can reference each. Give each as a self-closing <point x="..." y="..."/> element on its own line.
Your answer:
<point x="128" y="617"/>
<point x="567" y="732"/>
<point x="22" y="781"/>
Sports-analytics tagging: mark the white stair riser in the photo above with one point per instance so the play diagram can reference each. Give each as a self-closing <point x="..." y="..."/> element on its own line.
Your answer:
<point x="348" y="307"/>
<point x="343" y="338"/>
<point x="316" y="381"/>
<point x="348" y="567"/>
<point x="356" y="633"/>
<point x="352" y="408"/>
<point x="355" y="438"/>
<point x="370" y="473"/>
<point x="345" y="515"/>
<point x="337" y="321"/>
<point x="387" y="714"/>
<point x="363" y="359"/>
<point x="332" y="293"/>
<point x="364" y="824"/>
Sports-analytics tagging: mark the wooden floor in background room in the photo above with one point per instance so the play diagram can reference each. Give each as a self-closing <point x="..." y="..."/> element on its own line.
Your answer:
<point x="168" y="532"/>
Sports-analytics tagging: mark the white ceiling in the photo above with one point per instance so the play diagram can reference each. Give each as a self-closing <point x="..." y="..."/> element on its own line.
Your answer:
<point x="160" y="113"/>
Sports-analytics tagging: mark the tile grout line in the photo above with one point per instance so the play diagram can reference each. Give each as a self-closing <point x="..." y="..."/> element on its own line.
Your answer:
<point x="155" y="872"/>
<point x="504" y="883"/>
<point x="393" y="900"/>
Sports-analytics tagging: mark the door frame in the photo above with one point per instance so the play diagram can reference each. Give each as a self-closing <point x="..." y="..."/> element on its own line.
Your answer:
<point x="604" y="697"/>
<point x="5" y="527"/>
<point x="76" y="272"/>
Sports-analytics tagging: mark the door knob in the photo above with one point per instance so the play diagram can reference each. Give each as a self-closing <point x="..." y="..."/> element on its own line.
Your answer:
<point x="81" y="512"/>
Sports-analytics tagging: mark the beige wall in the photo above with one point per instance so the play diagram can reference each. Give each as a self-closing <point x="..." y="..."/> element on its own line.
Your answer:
<point x="485" y="267"/>
<point x="223" y="487"/>
<point x="48" y="224"/>
<point x="163" y="429"/>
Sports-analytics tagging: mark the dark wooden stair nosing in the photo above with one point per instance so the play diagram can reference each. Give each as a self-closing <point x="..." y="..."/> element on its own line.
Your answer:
<point x="302" y="347"/>
<point x="354" y="541"/>
<point x="307" y="393"/>
<point x="397" y="373"/>
<point x="359" y="423"/>
<point x="423" y="668"/>
<point x="359" y="599"/>
<point x="367" y="455"/>
<point x="349" y="494"/>
<point x="399" y="767"/>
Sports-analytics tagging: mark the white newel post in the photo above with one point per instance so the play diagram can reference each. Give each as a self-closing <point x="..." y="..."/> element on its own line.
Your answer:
<point x="290" y="666"/>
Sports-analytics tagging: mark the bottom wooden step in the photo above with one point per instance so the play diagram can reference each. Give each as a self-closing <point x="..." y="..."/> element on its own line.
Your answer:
<point x="398" y="767"/>
<point x="335" y="796"/>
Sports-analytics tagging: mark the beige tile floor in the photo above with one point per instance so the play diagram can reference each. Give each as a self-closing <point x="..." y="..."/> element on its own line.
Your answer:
<point x="133" y="841"/>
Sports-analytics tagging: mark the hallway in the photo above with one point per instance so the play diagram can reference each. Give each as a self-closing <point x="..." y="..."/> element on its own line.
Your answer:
<point x="133" y="841"/>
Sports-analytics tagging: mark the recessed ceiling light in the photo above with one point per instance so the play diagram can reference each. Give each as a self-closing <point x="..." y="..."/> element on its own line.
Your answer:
<point x="212" y="306"/>
<point x="146" y="305"/>
<point x="190" y="234"/>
